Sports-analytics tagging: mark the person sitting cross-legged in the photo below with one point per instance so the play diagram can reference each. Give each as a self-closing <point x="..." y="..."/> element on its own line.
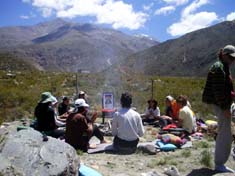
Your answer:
<point x="127" y="126"/>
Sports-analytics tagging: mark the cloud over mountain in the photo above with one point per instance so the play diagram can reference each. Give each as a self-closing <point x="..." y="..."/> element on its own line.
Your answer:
<point x="116" y="13"/>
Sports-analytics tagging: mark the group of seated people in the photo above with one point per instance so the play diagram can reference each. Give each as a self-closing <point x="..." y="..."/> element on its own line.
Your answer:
<point x="127" y="124"/>
<point x="79" y="128"/>
<point x="177" y="112"/>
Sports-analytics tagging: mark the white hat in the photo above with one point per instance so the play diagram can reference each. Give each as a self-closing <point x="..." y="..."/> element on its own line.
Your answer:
<point x="81" y="103"/>
<point x="229" y="49"/>
<point x="81" y="92"/>
<point x="170" y="98"/>
<point x="54" y="100"/>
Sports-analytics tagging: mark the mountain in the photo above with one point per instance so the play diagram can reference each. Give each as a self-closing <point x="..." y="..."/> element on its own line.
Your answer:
<point x="64" y="46"/>
<point x="9" y="62"/>
<point x="189" y="55"/>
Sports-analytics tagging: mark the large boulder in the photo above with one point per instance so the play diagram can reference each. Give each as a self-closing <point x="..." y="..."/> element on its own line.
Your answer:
<point x="25" y="153"/>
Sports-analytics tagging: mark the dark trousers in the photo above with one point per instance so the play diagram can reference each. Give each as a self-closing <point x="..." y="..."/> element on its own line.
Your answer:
<point x="97" y="133"/>
<point x="125" y="146"/>
<point x="57" y="133"/>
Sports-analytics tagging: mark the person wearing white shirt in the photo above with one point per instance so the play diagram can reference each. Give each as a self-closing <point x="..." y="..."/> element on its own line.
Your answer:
<point x="127" y="126"/>
<point x="152" y="112"/>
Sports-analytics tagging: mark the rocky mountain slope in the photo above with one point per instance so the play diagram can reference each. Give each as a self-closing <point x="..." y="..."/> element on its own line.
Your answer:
<point x="189" y="55"/>
<point x="64" y="46"/>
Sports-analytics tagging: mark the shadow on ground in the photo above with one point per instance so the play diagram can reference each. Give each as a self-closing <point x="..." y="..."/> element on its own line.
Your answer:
<point x="202" y="172"/>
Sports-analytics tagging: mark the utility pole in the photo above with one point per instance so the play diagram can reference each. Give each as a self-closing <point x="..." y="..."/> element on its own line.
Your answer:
<point x="76" y="84"/>
<point x="152" y="88"/>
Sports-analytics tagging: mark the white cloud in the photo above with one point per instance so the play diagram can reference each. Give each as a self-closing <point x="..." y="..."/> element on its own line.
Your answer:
<point x="148" y="7"/>
<point x="165" y="10"/>
<point x="231" y="16"/>
<point x="191" y="21"/>
<point x="26" y="1"/>
<point x="176" y="2"/>
<point x="25" y="17"/>
<point x="117" y="13"/>
<point x="193" y="7"/>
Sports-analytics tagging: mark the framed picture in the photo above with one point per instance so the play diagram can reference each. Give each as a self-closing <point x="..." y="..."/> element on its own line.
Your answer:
<point x="108" y="100"/>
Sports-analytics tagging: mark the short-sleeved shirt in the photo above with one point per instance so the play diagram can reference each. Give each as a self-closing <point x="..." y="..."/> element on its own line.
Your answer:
<point x="187" y="117"/>
<point x="76" y="131"/>
<point x="156" y="112"/>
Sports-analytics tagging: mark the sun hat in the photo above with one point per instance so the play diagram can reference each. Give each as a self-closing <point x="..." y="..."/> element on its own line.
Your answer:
<point x="170" y="98"/>
<point x="47" y="97"/>
<point x="81" y="103"/>
<point x="230" y="50"/>
<point x="54" y="101"/>
<point x="81" y="92"/>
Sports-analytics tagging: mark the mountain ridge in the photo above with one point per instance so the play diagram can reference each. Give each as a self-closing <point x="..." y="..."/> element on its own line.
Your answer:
<point x="64" y="46"/>
<point x="189" y="55"/>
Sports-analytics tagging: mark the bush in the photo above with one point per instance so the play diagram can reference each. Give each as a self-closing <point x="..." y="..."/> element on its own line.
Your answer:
<point x="206" y="158"/>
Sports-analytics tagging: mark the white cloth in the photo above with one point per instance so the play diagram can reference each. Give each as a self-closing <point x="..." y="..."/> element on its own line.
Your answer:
<point x="155" y="112"/>
<point x="127" y="124"/>
<point x="187" y="117"/>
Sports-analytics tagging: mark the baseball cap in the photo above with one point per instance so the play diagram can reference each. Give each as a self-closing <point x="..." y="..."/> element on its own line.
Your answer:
<point x="230" y="50"/>
<point x="81" y="103"/>
<point x="170" y="98"/>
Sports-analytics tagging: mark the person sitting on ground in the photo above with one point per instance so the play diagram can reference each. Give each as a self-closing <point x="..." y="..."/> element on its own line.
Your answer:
<point x="152" y="112"/>
<point x="82" y="95"/>
<point x="63" y="107"/>
<point x="168" y="117"/>
<point x="127" y="126"/>
<point x="78" y="130"/>
<point x="91" y="116"/>
<point x="186" y="115"/>
<point x="60" y="120"/>
<point x="45" y="116"/>
<point x="95" y="130"/>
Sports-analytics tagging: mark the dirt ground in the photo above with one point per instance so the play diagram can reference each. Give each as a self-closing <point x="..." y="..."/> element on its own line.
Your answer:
<point x="188" y="161"/>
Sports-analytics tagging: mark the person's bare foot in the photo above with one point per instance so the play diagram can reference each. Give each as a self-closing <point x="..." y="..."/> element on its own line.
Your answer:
<point x="92" y="146"/>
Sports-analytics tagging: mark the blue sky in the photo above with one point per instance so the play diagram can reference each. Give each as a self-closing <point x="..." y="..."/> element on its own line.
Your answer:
<point x="160" y="19"/>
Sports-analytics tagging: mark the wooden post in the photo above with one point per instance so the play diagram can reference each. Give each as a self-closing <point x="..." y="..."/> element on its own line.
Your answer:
<point x="152" y="89"/>
<point x="76" y="84"/>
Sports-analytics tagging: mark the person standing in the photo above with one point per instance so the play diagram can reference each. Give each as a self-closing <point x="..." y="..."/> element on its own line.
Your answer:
<point x="219" y="92"/>
<point x="127" y="126"/>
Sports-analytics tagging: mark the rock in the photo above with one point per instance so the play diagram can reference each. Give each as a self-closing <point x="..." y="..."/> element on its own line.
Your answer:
<point x="149" y="149"/>
<point x="152" y="173"/>
<point x="25" y="153"/>
<point x="172" y="171"/>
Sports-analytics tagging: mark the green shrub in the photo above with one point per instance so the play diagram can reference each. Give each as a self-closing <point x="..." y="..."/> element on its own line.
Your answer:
<point x="79" y="152"/>
<point x="202" y="144"/>
<point x="206" y="158"/>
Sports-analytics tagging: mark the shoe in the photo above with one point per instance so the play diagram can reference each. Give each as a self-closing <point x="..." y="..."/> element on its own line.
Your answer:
<point x="233" y="153"/>
<point x="223" y="168"/>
